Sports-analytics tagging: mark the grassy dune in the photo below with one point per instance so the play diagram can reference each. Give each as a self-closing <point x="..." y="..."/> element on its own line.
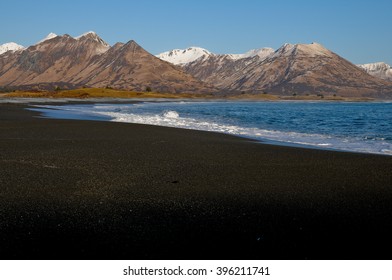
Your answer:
<point x="100" y="92"/>
<point x="113" y="93"/>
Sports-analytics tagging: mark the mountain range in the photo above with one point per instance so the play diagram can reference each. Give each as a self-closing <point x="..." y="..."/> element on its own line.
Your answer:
<point x="184" y="56"/>
<point x="88" y="61"/>
<point x="292" y="69"/>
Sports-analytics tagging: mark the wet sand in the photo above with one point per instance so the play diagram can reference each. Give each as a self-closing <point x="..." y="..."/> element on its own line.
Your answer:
<point x="99" y="190"/>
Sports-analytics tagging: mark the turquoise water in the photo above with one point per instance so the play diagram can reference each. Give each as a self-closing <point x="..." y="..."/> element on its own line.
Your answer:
<point x="349" y="126"/>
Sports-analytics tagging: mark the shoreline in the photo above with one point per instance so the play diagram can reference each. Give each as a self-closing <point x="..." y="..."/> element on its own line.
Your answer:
<point x="75" y="189"/>
<point x="48" y="114"/>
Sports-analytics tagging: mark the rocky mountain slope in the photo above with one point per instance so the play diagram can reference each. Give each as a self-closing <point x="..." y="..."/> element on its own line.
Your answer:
<point x="89" y="61"/>
<point x="379" y="69"/>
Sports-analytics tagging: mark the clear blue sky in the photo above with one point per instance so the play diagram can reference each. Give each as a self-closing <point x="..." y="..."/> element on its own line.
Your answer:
<point x="360" y="31"/>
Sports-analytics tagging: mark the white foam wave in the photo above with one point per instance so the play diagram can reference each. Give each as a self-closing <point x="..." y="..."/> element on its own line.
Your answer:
<point x="170" y="114"/>
<point x="386" y="151"/>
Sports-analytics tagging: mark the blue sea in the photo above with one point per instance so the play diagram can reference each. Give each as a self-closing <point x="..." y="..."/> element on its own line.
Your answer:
<point x="348" y="126"/>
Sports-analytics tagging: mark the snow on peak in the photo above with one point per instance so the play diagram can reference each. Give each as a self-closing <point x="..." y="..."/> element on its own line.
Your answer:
<point x="377" y="66"/>
<point x="10" y="47"/>
<point x="86" y="34"/>
<point x="183" y="56"/>
<point x="285" y="50"/>
<point x="94" y="36"/>
<point x="378" y="69"/>
<point x="262" y="53"/>
<point x="50" y="36"/>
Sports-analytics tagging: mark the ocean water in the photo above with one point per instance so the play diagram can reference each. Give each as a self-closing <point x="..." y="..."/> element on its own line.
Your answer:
<point x="347" y="126"/>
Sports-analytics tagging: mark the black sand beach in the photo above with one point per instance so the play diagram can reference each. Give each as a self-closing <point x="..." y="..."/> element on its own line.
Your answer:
<point x="100" y="190"/>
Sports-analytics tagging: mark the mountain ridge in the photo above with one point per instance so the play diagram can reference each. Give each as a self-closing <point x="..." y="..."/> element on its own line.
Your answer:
<point x="293" y="69"/>
<point x="87" y="60"/>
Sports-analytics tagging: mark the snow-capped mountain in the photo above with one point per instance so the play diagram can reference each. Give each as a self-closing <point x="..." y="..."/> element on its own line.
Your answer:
<point x="379" y="69"/>
<point x="292" y="69"/>
<point x="48" y="37"/>
<point x="181" y="57"/>
<point x="184" y="56"/>
<point x="10" y="47"/>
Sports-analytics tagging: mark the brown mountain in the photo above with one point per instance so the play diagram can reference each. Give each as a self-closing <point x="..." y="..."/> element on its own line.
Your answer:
<point x="54" y="60"/>
<point x="293" y="69"/>
<point x="220" y="69"/>
<point x="89" y="61"/>
<point x="130" y="66"/>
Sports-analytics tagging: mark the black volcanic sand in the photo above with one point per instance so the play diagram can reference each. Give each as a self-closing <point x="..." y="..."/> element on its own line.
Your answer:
<point x="100" y="190"/>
